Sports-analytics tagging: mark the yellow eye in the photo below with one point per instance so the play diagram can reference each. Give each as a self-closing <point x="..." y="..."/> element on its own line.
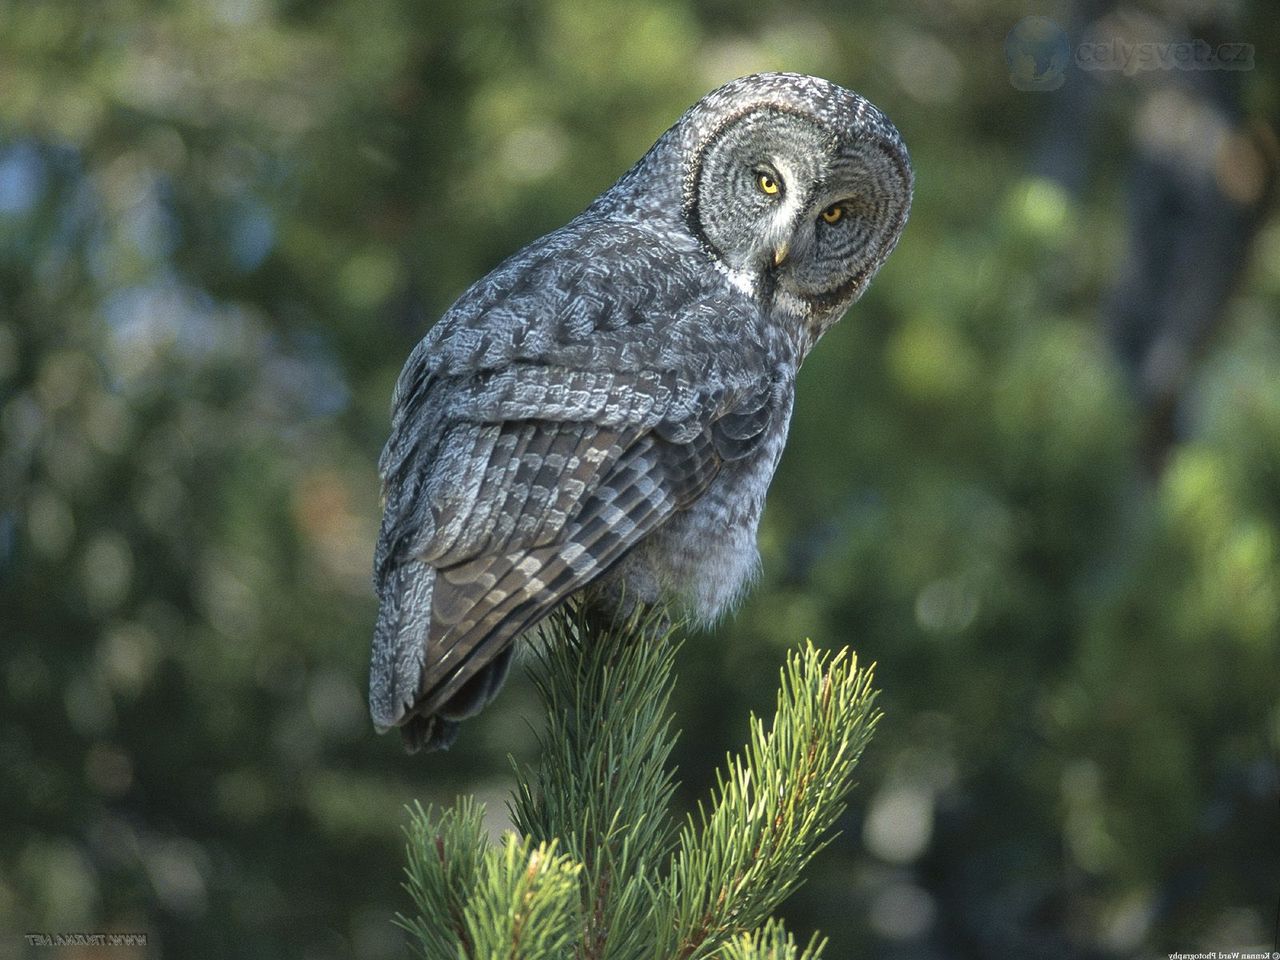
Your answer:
<point x="767" y="184"/>
<point x="832" y="213"/>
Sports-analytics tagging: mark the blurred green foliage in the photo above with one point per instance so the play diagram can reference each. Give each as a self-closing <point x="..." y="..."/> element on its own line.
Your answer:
<point x="224" y="224"/>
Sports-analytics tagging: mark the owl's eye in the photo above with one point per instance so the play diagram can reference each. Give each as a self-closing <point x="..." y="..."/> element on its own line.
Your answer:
<point x="768" y="184"/>
<point x="833" y="213"/>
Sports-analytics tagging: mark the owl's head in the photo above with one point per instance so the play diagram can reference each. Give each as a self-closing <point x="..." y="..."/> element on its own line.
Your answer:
<point x="798" y="186"/>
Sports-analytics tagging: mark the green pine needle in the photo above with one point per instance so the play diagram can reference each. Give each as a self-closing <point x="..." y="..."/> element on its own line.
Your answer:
<point x="603" y="783"/>
<point x="775" y="803"/>
<point x="601" y="873"/>
<point x="445" y="853"/>
<point x="475" y="901"/>
<point x="771" y="942"/>
<point x="526" y="904"/>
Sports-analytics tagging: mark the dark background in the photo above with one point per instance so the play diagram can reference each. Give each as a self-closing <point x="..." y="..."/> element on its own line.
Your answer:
<point x="1035" y="473"/>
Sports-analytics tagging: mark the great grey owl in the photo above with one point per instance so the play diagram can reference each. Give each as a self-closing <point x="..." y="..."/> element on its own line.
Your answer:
<point x="607" y="407"/>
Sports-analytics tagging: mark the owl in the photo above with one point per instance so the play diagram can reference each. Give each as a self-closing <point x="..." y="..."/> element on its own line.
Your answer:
<point x="602" y="414"/>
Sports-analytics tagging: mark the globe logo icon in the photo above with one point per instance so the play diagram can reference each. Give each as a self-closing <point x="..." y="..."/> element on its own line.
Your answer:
<point x="1037" y="52"/>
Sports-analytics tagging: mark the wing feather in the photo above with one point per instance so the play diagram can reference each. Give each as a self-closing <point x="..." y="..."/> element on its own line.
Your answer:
<point x="550" y="421"/>
<point x="505" y="595"/>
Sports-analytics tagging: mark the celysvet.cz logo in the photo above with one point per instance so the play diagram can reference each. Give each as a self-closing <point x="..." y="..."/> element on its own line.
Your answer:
<point x="1039" y="55"/>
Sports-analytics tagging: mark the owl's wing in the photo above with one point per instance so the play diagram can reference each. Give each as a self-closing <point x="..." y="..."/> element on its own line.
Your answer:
<point x="491" y="526"/>
<point x="560" y="411"/>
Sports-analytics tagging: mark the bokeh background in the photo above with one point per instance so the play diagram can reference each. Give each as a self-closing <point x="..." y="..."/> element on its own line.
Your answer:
<point x="1035" y="473"/>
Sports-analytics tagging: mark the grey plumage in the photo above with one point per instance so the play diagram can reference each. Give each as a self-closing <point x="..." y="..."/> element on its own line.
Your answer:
<point x="607" y="407"/>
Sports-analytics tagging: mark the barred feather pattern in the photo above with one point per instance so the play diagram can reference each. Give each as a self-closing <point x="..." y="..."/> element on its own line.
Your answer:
<point x="604" y="409"/>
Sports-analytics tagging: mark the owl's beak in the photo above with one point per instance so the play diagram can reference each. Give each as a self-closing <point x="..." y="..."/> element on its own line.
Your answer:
<point x="780" y="253"/>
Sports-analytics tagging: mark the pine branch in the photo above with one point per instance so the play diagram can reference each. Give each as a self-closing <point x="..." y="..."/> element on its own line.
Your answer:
<point x="526" y="904"/>
<point x="602" y="784"/>
<point x="771" y="942"/>
<point x="774" y="804"/>
<point x="623" y="888"/>
<point x="477" y="903"/>
<point x="445" y="852"/>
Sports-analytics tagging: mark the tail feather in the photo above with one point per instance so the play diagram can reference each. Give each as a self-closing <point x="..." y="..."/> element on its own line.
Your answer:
<point x="400" y="643"/>
<point x="396" y="668"/>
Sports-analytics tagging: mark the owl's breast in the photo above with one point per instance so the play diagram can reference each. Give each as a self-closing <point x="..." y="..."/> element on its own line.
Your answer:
<point x="704" y="557"/>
